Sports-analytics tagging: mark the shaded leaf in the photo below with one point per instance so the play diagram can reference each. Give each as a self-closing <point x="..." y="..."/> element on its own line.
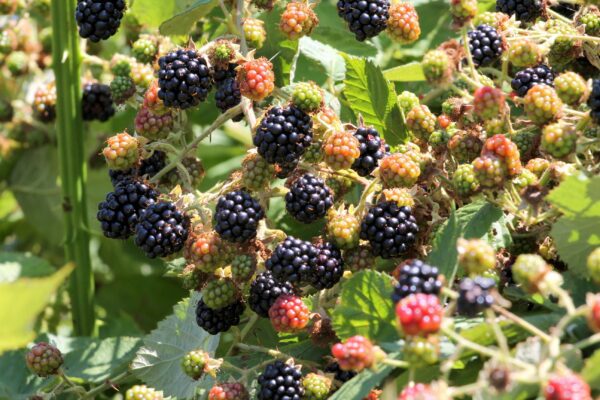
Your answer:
<point x="591" y="370"/>
<point x="19" y="265"/>
<point x="175" y="17"/>
<point x="16" y="381"/>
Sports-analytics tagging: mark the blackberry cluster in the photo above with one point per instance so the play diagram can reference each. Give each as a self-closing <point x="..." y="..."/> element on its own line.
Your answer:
<point x="264" y="290"/>
<point x="147" y="169"/>
<point x="365" y="18"/>
<point x="391" y="230"/>
<point x="415" y="276"/>
<point x="162" y="230"/>
<point x="339" y="374"/>
<point x="283" y="135"/>
<point x="594" y="101"/>
<point x="97" y="102"/>
<point x="523" y="10"/>
<point x="529" y="77"/>
<point x="474" y="295"/>
<point x="328" y="267"/>
<point x="237" y="215"/>
<point x="485" y="45"/>
<point x="119" y="213"/>
<point x="184" y="79"/>
<point x="99" y="19"/>
<point x="280" y="381"/>
<point x="309" y="199"/>
<point x="372" y="149"/>
<point x="219" y="320"/>
<point x="292" y="261"/>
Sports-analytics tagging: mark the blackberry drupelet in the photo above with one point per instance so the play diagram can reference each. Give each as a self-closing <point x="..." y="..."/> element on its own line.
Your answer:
<point x="415" y="276"/>
<point x="485" y="45"/>
<point x="365" y="18"/>
<point x="264" y="290"/>
<point x="280" y="381"/>
<point x="237" y="215"/>
<point x="474" y="295"/>
<point x="292" y="261"/>
<point x="283" y="134"/>
<point x="220" y="320"/>
<point x="99" y="19"/>
<point x="529" y="77"/>
<point x="162" y="230"/>
<point x="372" y="149"/>
<point x="184" y="79"/>
<point x="121" y="210"/>
<point x="391" y="230"/>
<point x="523" y="10"/>
<point x="594" y="101"/>
<point x="339" y="374"/>
<point x="328" y="267"/>
<point x="309" y="199"/>
<point x="97" y="102"/>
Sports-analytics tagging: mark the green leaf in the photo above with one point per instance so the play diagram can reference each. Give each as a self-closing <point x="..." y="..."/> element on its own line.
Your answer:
<point x="157" y="363"/>
<point x="325" y="55"/>
<point x="16" y="381"/>
<point x="360" y="386"/>
<point x="19" y="265"/>
<point x="366" y="308"/>
<point x="175" y="17"/>
<point x="411" y="72"/>
<point x="370" y="95"/>
<point x="591" y="370"/>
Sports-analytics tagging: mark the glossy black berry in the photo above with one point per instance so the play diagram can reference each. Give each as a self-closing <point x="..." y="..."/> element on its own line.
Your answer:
<point x="328" y="267"/>
<point x="162" y="230"/>
<point x="485" y="45"/>
<point x="283" y="135"/>
<point x="594" y="101"/>
<point x="97" y="102"/>
<point x="219" y="320"/>
<point x="228" y="95"/>
<point x="292" y="261"/>
<point x="264" y="290"/>
<point x="339" y="374"/>
<point x="280" y="381"/>
<point x="390" y="230"/>
<point x="309" y="199"/>
<point x="147" y="169"/>
<point x="372" y="149"/>
<point x="237" y="215"/>
<point x="523" y="10"/>
<point x="99" y="19"/>
<point x="529" y="77"/>
<point x="365" y="18"/>
<point x="119" y="212"/>
<point x="474" y="295"/>
<point x="415" y="276"/>
<point x="184" y="79"/>
<point x="220" y="75"/>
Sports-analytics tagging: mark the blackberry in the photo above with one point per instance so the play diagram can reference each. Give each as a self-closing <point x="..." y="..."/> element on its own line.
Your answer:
<point x="365" y="18"/>
<point x="339" y="374"/>
<point x="237" y="215"/>
<point x="293" y="261"/>
<point x="220" y="320"/>
<point x="523" y="10"/>
<point x="529" y="77"/>
<point x="594" y="101"/>
<point x="147" y="169"/>
<point x="184" y="79"/>
<point x="99" y="19"/>
<point x="228" y="96"/>
<point x="485" y="45"/>
<point x="372" y="149"/>
<point x="283" y="134"/>
<point x="119" y="213"/>
<point x="415" y="276"/>
<point x="474" y="295"/>
<point x="97" y="102"/>
<point x="328" y="267"/>
<point x="162" y="230"/>
<point x="264" y="290"/>
<point x="308" y="199"/>
<point x="44" y="359"/>
<point x="391" y="230"/>
<point x="220" y="75"/>
<point x="280" y="381"/>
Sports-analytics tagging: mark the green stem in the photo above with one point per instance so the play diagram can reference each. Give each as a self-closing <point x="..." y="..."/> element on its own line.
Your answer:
<point x="70" y="134"/>
<point x="106" y="385"/>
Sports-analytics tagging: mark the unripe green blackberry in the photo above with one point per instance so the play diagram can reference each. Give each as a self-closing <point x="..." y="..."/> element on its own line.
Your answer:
<point x="339" y="185"/>
<point x="421" y="122"/>
<point x="542" y="104"/>
<point x="527" y="142"/>
<point x="144" y="50"/>
<point x="495" y="126"/>
<point x="524" y="53"/>
<point x="316" y="387"/>
<point x="400" y="196"/>
<point x="44" y="359"/>
<point x="591" y="22"/>
<point x="592" y="131"/>
<point x="437" y="67"/>
<point x="142" y="392"/>
<point x="463" y="11"/>
<point x="398" y="170"/>
<point x="593" y="264"/>
<point x="489" y="171"/>
<point x="538" y="166"/>
<point x="256" y="172"/>
<point x="421" y="351"/>
<point x="122" y="88"/>
<point x="221" y="54"/>
<point x="8" y="42"/>
<point x="142" y="75"/>
<point x="192" y="278"/>
<point x="194" y="363"/>
<point x="475" y="256"/>
<point x="307" y="96"/>
<point x="564" y="49"/>
<point x="120" y="66"/>
<point x="255" y="33"/>
<point x="343" y="228"/>
<point x="407" y="101"/>
<point x="464" y="181"/>
<point x="195" y="171"/>
<point x="559" y="140"/>
<point x="121" y="151"/>
<point x="524" y="178"/>
<point x="489" y="102"/>
<point x="529" y="270"/>
<point x="359" y="258"/>
<point x="439" y="139"/>
<point x="465" y="146"/>
<point x="314" y="153"/>
<point x="493" y="19"/>
<point x="243" y="267"/>
<point x="219" y="293"/>
<point x="17" y="63"/>
<point x="571" y="88"/>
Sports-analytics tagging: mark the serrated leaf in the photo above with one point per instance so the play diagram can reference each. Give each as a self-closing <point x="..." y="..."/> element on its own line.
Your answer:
<point x="157" y="362"/>
<point x="16" y="381"/>
<point x="19" y="265"/>
<point x="173" y="17"/>
<point x="325" y="55"/>
<point x="411" y="72"/>
<point x="591" y="370"/>
<point x="366" y="308"/>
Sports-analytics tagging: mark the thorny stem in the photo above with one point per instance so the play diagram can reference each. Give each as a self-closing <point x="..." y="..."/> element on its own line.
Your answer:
<point x="106" y="385"/>
<point x="273" y="353"/>
<point x="395" y="363"/>
<point x="520" y="321"/>
<point x="500" y="338"/>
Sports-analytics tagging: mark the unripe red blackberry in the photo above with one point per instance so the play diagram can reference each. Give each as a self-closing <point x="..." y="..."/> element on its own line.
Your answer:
<point x="558" y="139"/>
<point x="316" y="387"/>
<point x="184" y="78"/>
<point x="289" y="314"/>
<point x="501" y="146"/>
<point x="44" y="359"/>
<point x="256" y="79"/>
<point x="489" y="171"/>
<point x="542" y="104"/>
<point x="307" y="96"/>
<point x="256" y="172"/>
<point x="99" y="19"/>
<point x="97" y="102"/>
<point x="359" y="258"/>
<point x="153" y="126"/>
<point x="341" y="150"/>
<point x="254" y="32"/>
<point x="44" y="103"/>
<point x="437" y="67"/>
<point x="142" y="392"/>
<point x="421" y="351"/>
<point x="144" y="49"/>
<point x="417" y="391"/>
<point x="593" y="313"/>
<point x="421" y="122"/>
<point x="219" y="293"/>
<point x="571" y="88"/>
<point x="298" y="19"/>
<point x="207" y="251"/>
<point x="419" y="314"/>
<point x="403" y="23"/>
<point x="343" y="228"/>
<point x="365" y="20"/>
<point x="463" y="11"/>
<point x="489" y="102"/>
<point x="228" y="391"/>
<point x="465" y="146"/>
<point x="354" y="354"/>
<point x="593" y="264"/>
<point x="524" y="53"/>
<point x="194" y="363"/>
<point x="153" y="102"/>
<point x="567" y="387"/>
<point x="309" y="199"/>
<point x="243" y="267"/>
<point x="464" y="181"/>
<point x="399" y="170"/>
<point x="121" y="151"/>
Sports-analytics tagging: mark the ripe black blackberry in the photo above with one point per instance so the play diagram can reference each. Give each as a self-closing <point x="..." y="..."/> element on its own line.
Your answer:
<point x="309" y="199"/>
<point x="339" y="374"/>
<point x="283" y="135"/>
<point x="237" y="215"/>
<point x="594" y="101"/>
<point x="415" y="276"/>
<point x="391" y="230"/>
<point x="219" y="320"/>
<point x="474" y="295"/>
<point x="162" y="230"/>
<point x="184" y="79"/>
<point x="529" y="77"/>
<point x="228" y="95"/>
<point x="99" y="19"/>
<point x="283" y="171"/>
<point x="485" y="45"/>
<point x="328" y="267"/>
<point x="220" y="75"/>
<point x="372" y="149"/>
<point x="292" y="261"/>
<point x="280" y="381"/>
<point x="147" y="169"/>
<point x="365" y="18"/>
<point x="97" y="102"/>
<point x="264" y="290"/>
<point x="523" y="10"/>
